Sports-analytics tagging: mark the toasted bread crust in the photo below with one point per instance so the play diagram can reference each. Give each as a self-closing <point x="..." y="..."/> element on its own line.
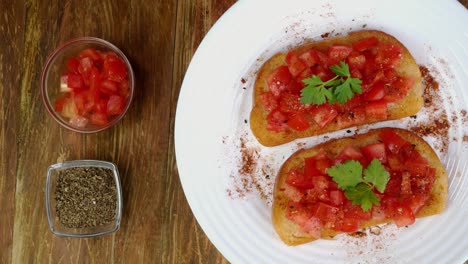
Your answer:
<point x="289" y="231"/>
<point x="410" y="105"/>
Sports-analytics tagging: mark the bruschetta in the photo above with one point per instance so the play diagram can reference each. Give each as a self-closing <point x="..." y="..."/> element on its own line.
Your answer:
<point x="361" y="78"/>
<point x="347" y="184"/>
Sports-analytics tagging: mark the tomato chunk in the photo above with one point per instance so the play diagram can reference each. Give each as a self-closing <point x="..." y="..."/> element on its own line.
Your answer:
<point x="298" y="122"/>
<point x="268" y="101"/>
<point x="115" y="105"/>
<point x="295" y="65"/>
<point x="114" y="69"/>
<point x="397" y="90"/>
<point x="356" y="61"/>
<point x="401" y="214"/>
<point x="392" y="140"/>
<point x="375" y="151"/>
<point x="298" y="179"/>
<point x="375" y="93"/>
<point x="337" y="53"/>
<point x="290" y="103"/>
<point x="377" y="109"/>
<point x="277" y="121"/>
<point x="348" y="225"/>
<point x="313" y="227"/>
<point x="310" y="58"/>
<point x="324" y="114"/>
<point x="365" y="44"/>
<point x="325" y="212"/>
<point x="278" y="80"/>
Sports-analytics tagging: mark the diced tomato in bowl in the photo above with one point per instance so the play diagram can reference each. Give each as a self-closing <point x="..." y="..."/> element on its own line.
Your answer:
<point x="92" y="88"/>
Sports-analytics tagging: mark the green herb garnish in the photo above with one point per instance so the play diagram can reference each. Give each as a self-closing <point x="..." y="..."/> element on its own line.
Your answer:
<point x="359" y="189"/>
<point x="340" y="88"/>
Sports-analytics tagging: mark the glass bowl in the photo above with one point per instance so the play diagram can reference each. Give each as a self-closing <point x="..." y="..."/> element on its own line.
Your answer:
<point x="55" y="67"/>
<point x="52" y="183"/>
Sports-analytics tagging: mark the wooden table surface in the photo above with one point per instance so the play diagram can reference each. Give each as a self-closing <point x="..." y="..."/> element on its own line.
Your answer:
<point x="159" y="38"/>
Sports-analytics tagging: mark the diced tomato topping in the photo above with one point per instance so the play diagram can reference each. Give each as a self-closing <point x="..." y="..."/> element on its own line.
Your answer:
<point x="325" y="212"/>
<point x="377" y="109"/>
<point x="310" y="58"/>
<point x="298" y="179"/>
<point x="356" y="212"/>
<point x="394" y="162"/>
<point x="349" y="153"/>
<point x="408" y="152"/>
<point x="78" y="121"/>
<point x="316" y="166"/>
<point x="375" y="93"/>
<point x="95" y="86"/>
<point x="324" y="74"/>
<point x="278" y="80"/>
<point x="268" y="101"/>
<point x="298" y="122"/>
<point x="86" y="64"/>
<point x="114" y="69"/>
<point x="290" y="103"/>
<point x="365" y="44"/>
<point x="313" y="227"/>
<point x="417" y="201"/>
<point x="356" y="61"/>
<point x="324" y="114"/>
<point x="392" y="140"/>
<point x="405" y="184"/>
<point x="90" y="53"/>
<point x="115" y="105"/>
<point x="321" y="182"/>
<point x="295" y="65"/>
<point x="304" y="75"/>
<point x="337" y="53"/>
<point x="59" y="102"/>
<point x="352" y="117"/>
<point x="388" y="55"/>
<point x="277" y="121"/>
<point x="72" y="65"/>
<point x="100" y="106"/>
<point x="99" y="119"/>
<point x="375" y="151"/>
<point x="316" y="195"/>
<point x="323" y="58"/>
<point x="398" y="89"/>
<point x="109" y="87"/>
<point x="292" y="193"/>
<point x="393" y="184"/>
<point x="337" y="197"/>
<point x="74" y="81"/>
<point x="401" y="214"/>
<point x="347" y="225"/>
<point x="378" y="213"/>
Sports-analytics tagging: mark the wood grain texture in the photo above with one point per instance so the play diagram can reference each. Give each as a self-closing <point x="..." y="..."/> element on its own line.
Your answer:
<point x="159" y="38"/>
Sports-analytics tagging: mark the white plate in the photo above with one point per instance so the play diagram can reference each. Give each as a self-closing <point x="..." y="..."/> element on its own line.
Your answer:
<point x="232" y="207"/>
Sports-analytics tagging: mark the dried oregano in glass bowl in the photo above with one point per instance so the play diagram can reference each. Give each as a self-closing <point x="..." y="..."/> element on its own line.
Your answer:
<point x="83" y="198"/>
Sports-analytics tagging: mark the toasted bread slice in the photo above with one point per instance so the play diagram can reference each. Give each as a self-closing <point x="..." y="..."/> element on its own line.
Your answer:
<point x="410" y="105"/>
<point x="291" y="233"/>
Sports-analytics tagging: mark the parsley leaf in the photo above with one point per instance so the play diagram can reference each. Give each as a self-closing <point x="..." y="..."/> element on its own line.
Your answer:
<point x="363" y="195"/>
<point x="340" y="88"/>
<point x="376" y="174"/>
<point x="315" y="92"/>
<point x="358" y="188"/>
<point x="342" y="70"/>
<point x="347" y="174"/>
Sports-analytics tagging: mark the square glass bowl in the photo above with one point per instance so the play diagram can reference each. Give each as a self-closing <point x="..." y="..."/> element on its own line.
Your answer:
<point x="55" y="67"/>
<point x="51" y="184"/>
